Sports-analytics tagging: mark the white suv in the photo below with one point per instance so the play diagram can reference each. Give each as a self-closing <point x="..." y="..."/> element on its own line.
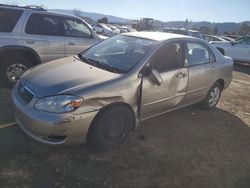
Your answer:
<point x="239" y="49"/>
<point x="32" y="35"/>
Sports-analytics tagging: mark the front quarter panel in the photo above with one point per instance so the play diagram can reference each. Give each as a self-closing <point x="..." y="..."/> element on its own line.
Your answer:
<point x="122" y="90"/>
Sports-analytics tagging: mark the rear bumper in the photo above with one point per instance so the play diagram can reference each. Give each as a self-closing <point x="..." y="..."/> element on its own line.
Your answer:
<point x="51" y="128"/>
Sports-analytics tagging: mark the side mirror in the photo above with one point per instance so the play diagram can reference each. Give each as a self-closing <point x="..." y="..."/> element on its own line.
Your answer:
<point x="145" y="71"/>
<point x="155" y="77"/>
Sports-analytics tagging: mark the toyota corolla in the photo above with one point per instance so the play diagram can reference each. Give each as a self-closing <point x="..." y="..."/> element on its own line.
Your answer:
<point x="100" y="95"/>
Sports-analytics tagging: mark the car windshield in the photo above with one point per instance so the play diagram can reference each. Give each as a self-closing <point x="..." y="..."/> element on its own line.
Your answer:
<point x="118" y="54"/>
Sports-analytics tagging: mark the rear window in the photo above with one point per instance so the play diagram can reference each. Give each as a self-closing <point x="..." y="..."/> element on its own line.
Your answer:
<point x="8" y="19"/>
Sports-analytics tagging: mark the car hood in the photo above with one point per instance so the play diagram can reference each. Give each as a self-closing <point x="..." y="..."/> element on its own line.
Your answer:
<point x="63" y="75"/>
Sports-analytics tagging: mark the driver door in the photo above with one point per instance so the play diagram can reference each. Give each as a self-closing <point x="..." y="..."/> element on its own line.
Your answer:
<point x="157" y="99"/>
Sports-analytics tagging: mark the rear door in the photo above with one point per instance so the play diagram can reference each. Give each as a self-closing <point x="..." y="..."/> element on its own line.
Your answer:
<point x="201" y="67"/>
<point x="78" y="36"/>
<point x="157" y="99"/>
<point x="44" y="34"/>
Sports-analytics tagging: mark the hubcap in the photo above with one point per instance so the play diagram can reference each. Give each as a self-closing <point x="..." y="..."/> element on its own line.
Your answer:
<point x="114" y="128"/>
<point x="15" y="71"/>
<point x="214" y="96"/>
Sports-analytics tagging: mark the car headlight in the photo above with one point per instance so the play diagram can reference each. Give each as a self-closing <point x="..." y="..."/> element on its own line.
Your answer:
<point x="59" y="103"/>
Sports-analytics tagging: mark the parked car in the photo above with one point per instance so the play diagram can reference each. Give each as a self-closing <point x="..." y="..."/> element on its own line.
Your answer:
<point x="108" y="89"/>
<point x="114" y="29"/>
<point x="182" y="31"/>
<point x="31" y="35"/>
<point x="239" y="49"/>
<point x="103" y="29"/>
<point x="227" y="38"/>
<point x="210" y="38"/>
<point x="233" y="36"/>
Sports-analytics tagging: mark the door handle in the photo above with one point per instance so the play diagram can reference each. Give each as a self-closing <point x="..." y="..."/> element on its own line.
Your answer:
<point x="181" y="75"/>
<point x="71" y="43"/>
<point x="29" y="41"/>
<point x="213" y="68"/>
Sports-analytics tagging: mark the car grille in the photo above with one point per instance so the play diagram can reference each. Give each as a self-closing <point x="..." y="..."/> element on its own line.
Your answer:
<point x="24" y="93"/>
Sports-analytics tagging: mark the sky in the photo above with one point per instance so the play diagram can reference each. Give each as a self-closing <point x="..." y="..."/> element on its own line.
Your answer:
<point x="164" y="10"/>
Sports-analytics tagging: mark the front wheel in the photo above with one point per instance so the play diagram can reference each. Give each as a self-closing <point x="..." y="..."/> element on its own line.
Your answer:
<point x="212" y="97"/>
<point x="110" y="127"/>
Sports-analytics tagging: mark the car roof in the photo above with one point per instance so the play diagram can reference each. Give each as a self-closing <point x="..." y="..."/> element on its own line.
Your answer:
<point x="37" y="10"/>
<point x="157" y="36"/>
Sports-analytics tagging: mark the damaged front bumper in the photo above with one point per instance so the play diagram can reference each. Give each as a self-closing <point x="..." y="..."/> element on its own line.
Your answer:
<point x="51" y="128"/>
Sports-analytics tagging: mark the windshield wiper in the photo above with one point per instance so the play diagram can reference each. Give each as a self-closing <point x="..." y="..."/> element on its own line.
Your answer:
<point x="84" y="58"/>
<point x="107" y="67"/>
<point x="99" y="64"/>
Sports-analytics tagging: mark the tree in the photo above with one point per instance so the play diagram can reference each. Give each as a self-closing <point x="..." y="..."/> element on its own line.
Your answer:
<point x="215" y="31"/>
<point x="244" y="29"/>
<point x="103" y="20"/>
<point x="205" y="30"/>
<point x="77" y="12"/>
<point x="186" y="24"/>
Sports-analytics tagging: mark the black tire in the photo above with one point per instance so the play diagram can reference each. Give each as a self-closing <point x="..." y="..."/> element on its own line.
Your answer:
<point x="17" y="64"/>
<point x="208" y="103"/>
<point x="110" y="127"/>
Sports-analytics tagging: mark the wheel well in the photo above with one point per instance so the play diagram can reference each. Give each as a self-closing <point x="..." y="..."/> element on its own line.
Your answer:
<point x="221" y="82"/>
<point x="221" y="51"/>
<point x="21" y="52"/>
<point x="113" y="105"/>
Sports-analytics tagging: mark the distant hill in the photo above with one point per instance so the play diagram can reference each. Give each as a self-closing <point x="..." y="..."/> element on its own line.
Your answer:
<point x="95" y="16"/>
<point x="229" y="27"/>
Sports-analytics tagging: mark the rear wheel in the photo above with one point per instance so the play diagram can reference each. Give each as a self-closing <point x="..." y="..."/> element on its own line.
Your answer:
<point x="12" y="69"/>
<point x="212" y="97"/>
<point x="110" y="127"/>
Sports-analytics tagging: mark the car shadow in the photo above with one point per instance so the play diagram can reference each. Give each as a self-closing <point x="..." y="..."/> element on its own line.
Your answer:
<point x="241" y="67"/>
<point x="6" y="110"/>
<point x="188" y="147"/>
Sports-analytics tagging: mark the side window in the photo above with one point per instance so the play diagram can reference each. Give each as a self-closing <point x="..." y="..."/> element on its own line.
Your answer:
<point x="76" y="28"/>
<point x="40" y="24"/>
<point x="8" y="19"/>
<point x="168" y="57"/>
<point x="248" y="41"/>
<point x="244" y="41"/>
<point x="198" y="54"/>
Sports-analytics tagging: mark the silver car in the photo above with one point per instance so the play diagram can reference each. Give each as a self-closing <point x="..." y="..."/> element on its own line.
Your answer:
<point x="101" y="94"/>
<point x="31" y="35"/>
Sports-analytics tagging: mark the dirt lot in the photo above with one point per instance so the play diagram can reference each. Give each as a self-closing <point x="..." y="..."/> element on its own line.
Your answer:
<point x="186" y="148"/>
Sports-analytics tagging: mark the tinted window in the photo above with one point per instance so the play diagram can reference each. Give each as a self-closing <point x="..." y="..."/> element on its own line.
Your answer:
<point x="169" y="57"/>
<point x="8" y="19"/>
<point x="198" y="54"/>
<point x="76" y="28"/>
<point x="43" y="25"/>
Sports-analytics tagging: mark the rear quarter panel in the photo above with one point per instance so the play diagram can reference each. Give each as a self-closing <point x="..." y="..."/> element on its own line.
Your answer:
<point x="224" y="67"/>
